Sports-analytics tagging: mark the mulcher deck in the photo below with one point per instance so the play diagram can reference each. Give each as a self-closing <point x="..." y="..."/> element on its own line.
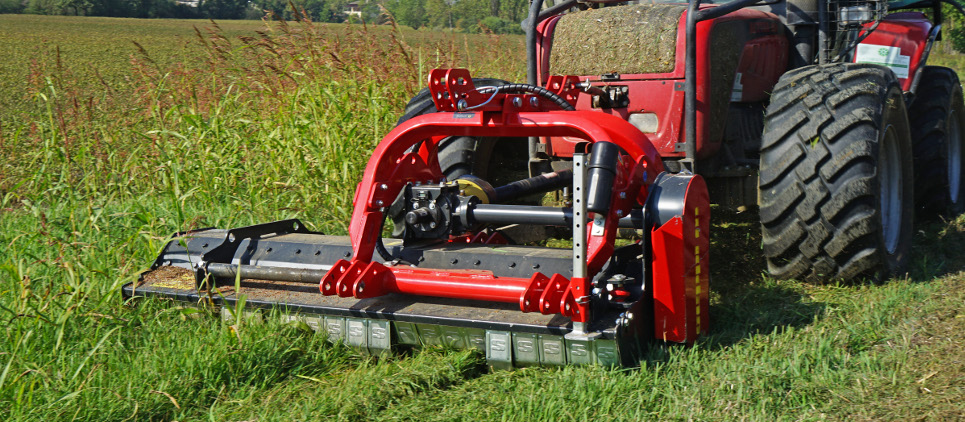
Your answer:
<point x="507" y="336"/>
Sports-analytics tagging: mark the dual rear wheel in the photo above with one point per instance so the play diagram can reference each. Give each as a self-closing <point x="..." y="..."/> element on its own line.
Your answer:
<point x="844" y="166"/>
<point x="937" y="117"/>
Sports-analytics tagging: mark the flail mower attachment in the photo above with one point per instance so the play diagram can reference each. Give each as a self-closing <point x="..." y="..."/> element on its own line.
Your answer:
<point x="452" y="279"/>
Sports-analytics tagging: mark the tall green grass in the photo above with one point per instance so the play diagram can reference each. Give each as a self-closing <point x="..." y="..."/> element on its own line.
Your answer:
<point x="279" y="125"/>
<point x="276" y="124"/>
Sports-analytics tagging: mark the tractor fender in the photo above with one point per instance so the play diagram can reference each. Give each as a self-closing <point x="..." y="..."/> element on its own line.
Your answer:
<point x="901" y="42"/>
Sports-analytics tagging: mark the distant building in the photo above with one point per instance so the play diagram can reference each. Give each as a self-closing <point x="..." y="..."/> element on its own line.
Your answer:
<point x="189" y="3"/>
<point x="353" y="9"/>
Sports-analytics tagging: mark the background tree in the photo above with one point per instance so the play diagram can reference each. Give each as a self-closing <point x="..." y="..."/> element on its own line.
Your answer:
<point x="76" y="7"/>
<point x="514" y="10"/>
<point x="408" y="12"/>
<point x="44" y="7"/>
<point x="371" y="12"/>
<point x="224" y="9"/>
<point x="469" y="13"/>
<point x="439" y="14"/>
<point x="11" y="6"/>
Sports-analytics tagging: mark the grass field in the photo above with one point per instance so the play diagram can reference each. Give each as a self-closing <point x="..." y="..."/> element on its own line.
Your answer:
<point x="219" y="131"/>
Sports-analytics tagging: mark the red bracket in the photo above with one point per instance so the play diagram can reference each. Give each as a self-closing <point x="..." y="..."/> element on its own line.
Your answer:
<point x="551" y="301"/>
<point x="556" y="295"/>
<point x="355" y="279"/>
<point x="565" y="86"/>
<point x="449" y="86"/>
<point x="576" y="301"/>
<point x="529" y="300"/>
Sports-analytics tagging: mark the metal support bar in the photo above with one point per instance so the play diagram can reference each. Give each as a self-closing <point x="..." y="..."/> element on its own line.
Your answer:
<point x="531" y="75"/>
<point x="932" y="37"/>
<point x="694" y="15"/>
<point x="579" y="215"/>
<point x="537" y="215"/>
<point x="225" y="251"/>
<point x="823" y="30"/>
<point x="259" y="272"/>
<point x="521" y="214"/>
<point x="690" y="88"/>
<point x="579" y="223"/>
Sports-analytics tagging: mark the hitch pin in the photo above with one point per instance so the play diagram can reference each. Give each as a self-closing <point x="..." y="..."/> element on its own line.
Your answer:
<point x="590" y="89"/>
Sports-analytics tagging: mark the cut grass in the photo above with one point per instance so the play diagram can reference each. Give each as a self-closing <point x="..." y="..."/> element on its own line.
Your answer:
<point x="85" y="207"/>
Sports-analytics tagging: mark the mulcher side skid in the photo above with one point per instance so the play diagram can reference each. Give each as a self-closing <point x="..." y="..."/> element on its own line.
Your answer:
<point x="452" y="279"/>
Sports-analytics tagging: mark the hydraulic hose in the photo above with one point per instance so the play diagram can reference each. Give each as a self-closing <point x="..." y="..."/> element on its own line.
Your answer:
<point x="380" y="247"/>
<point x="531" y="89"/>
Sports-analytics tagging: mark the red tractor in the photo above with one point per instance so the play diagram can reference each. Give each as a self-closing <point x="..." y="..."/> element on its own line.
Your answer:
<point x="789" y="94"/>
<point x="634" y="117"/>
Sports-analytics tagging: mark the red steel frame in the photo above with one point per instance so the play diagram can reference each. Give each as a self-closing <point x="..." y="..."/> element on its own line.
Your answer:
<point x="391" y="167"/>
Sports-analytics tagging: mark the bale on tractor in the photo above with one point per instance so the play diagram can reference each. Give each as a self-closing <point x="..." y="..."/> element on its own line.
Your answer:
<point x="823" y="114"/>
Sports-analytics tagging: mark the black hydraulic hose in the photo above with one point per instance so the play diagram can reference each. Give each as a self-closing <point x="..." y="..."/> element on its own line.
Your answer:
<point x="380" y="247"/>
<point x="532" y="77"/>
<point x="536" y="184"/>
<point x="532" y="89"/>
<point x="854" y="44"/>
<point x="724" y="9"/>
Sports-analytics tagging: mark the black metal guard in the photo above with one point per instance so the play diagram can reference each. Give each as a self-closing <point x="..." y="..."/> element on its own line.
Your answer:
<point x="225" y="251"/>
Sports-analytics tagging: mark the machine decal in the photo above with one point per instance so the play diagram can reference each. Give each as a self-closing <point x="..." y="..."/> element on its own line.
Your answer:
<point x="884" y="55"/>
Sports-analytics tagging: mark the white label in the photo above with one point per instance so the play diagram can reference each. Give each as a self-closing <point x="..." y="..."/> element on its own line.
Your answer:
<point x="737" y="95"/>
<point x="884" y="55"/>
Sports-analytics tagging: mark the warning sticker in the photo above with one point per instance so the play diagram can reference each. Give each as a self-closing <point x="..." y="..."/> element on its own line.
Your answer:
<point x="884" y="55"/>
<point x="737" y="94"/>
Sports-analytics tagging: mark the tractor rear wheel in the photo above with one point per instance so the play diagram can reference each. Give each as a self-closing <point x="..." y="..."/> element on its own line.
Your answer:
<point x="491" y="159"/>
<point x="458" y="155"/>
<point x="836" y="178"/>
<point x="937" y="116"/>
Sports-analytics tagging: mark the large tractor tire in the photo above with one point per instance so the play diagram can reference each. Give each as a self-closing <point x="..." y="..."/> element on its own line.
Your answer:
<point x="458" y="155"/>
<point x="937" y="116"/>
<point x="462" y="155"/>
<point x="836" y="178"/>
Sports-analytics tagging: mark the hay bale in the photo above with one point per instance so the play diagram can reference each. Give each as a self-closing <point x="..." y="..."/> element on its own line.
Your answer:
<point x="625" y="39"/>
